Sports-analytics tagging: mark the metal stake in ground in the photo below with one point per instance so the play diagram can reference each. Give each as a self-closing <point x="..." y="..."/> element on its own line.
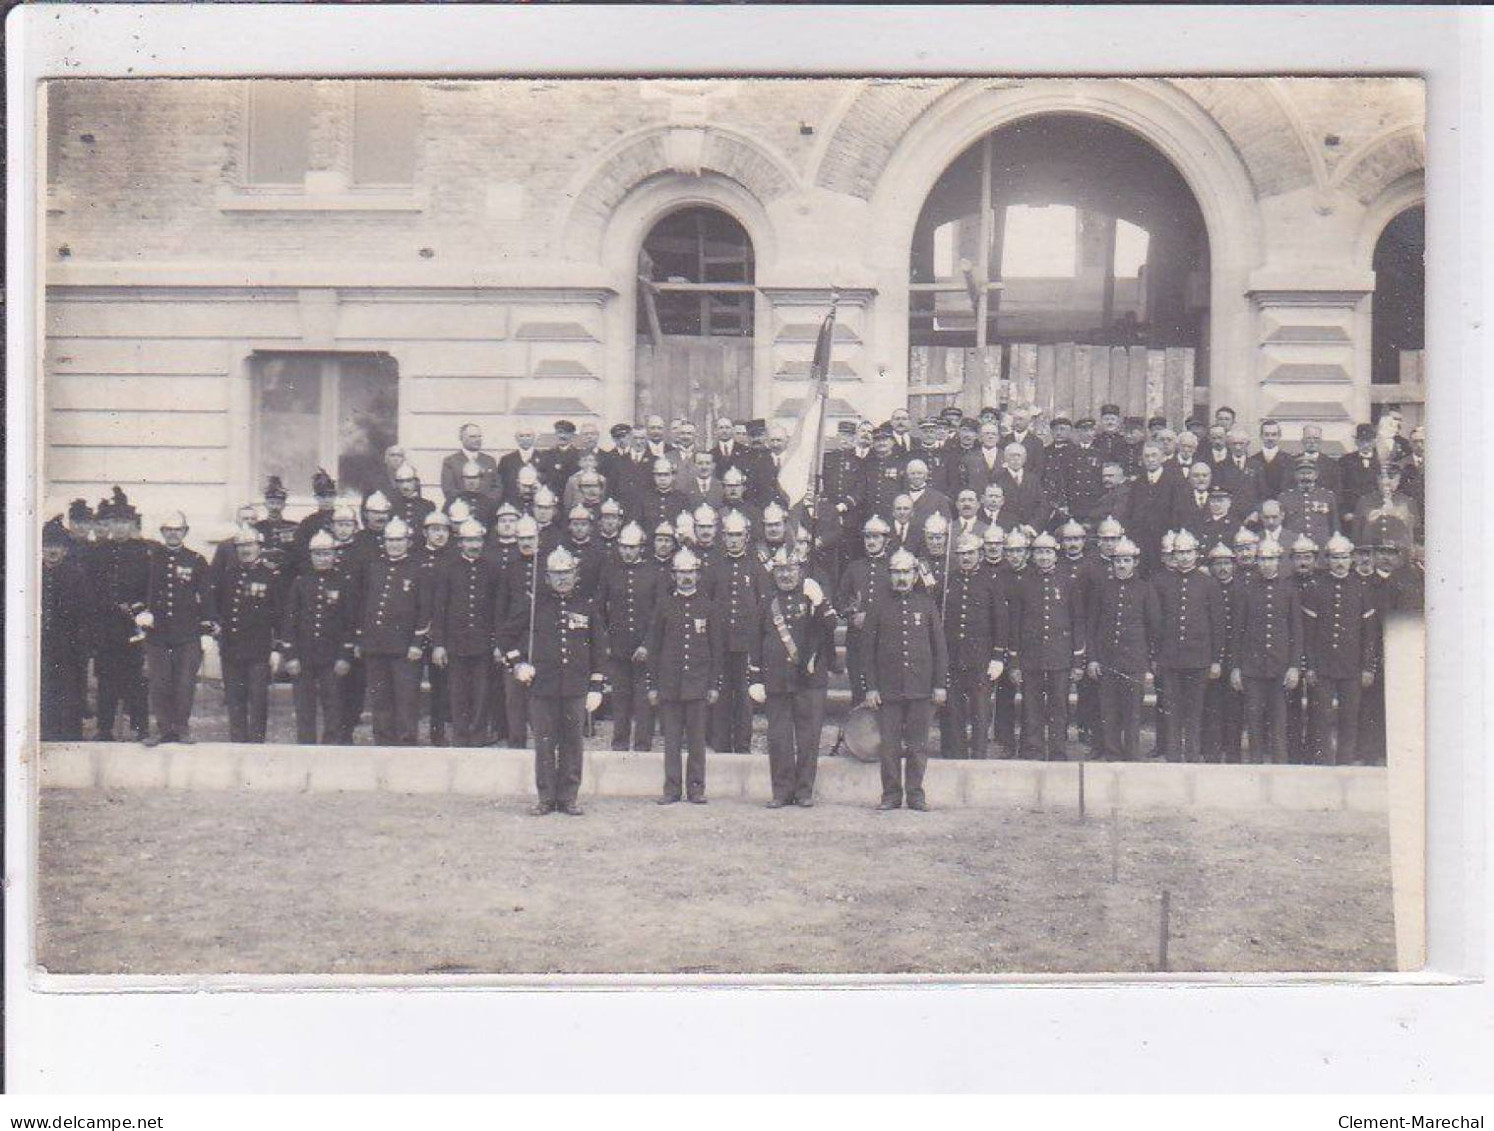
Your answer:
<point x="1163" y="928"/>
<point x="1115" y="841"/>
<point x="1081" y="792"/>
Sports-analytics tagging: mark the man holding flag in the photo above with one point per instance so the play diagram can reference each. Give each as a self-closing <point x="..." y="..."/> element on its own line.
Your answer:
<point x="798" y="464"/>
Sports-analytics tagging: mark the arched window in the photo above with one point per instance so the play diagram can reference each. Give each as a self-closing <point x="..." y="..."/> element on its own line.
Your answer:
<point x="1399" y="311"/>
<point x="1060" y="228"/>
<point x="696" y="273"/>
<point x="694" y="358"/>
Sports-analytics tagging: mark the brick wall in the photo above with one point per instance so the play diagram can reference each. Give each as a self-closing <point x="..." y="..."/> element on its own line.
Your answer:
<point x="485" y="278"/>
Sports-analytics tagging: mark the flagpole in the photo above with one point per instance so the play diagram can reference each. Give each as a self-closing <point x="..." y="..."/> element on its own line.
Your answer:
<point x="817" y="453"/>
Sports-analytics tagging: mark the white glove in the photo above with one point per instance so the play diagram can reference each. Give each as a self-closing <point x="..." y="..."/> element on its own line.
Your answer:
<point x="293" y="667"/>
<point x="274" y="662"/>
<point x="438" y="656"/>
<point x="994" y="670"/>
<point x="145" y="619"/>
<point x="813" y="592"/>
<point x="593" y="701"/>
<point x="524" y="673"/>
<point x="757" y="693"/>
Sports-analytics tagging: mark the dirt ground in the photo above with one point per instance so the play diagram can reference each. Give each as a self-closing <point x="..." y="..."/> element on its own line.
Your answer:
<point x="207" y="883"/>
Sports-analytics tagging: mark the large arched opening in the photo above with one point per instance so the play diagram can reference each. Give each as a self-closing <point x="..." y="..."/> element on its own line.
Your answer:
<point x="1046" y="246"/>
<point x="1398" y="313"/>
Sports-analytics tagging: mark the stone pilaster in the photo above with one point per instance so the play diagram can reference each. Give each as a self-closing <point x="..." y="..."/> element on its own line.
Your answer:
<point x="1312" y="358"/>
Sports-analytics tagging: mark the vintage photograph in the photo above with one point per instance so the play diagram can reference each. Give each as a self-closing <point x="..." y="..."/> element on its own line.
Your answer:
<point x="770" y="527"/>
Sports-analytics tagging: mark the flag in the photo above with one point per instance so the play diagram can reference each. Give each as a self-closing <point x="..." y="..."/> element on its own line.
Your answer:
<point x="802" y="455"/>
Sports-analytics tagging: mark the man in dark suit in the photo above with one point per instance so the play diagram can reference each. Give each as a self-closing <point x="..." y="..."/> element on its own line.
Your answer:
<point x="1115" y="498"/>
<point x="983" y="465"/>
<point x="1312" y="449"/>
<point x="1357" y="472"/>
<point x="1240" y="475"/>
<point x="1193" y="502"/>
<point x="701" y="484"/>
<point x="725" y="451"/>
<point x="1272" y="466"/>
<point x="926" y="499"/>
<point x="470" y="436"/>
<point x="1023" y="487"/>
<point x="1152" y="505"/>
<point x="524" y="455"/>
<point x="1216" y="451"/>
<point x="1023" y="434"/>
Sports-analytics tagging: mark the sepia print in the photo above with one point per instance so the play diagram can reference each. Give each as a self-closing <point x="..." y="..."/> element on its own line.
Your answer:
<point x="902" y="527"/>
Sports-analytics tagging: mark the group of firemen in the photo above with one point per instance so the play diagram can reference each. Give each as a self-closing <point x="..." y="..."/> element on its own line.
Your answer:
<point x="661" y="583"/>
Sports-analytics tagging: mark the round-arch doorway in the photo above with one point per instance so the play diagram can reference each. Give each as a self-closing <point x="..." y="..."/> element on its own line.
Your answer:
<point x="696" y="304"/>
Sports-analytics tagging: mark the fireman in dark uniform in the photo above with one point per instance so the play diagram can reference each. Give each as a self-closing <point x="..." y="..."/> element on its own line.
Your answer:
<point x="630" y="589"/>
<point x="464" y="633"/>
<point x="392" y="634"/>
<point x="1191" y="650"/>
<point x="1084" y="476"/>
<point x="178" y="613"/>
<point x="1048" y="646"/>
<point x="409" y="504"/>
<point x="278" y="532"/>
<point x="792" y="646"/>
<point x="883" y="475"/>
<point x="1015" y="567"/>
<point x="248" y="596"/>
<point x="563" y="669"/>
<point x="905" y="677"/>
<point x="864" y="582"/>
<point x="317" y="637"/>
<point x="1342" y="634"/>
<point x="119" y="575"/>
<point x="976" y="635"/>
<point x="935" y="557"/>
<point x="1224" y="704"/>
<point x="1304" y="575"/>
<point x="1124" y="629"/>
<point x="64" y="635"/>
<point x="737" y="584"/>
<point x="686" y="647"/>
<point x="324" y="489"/>
<point x="517" y="586"/>
<point x="1268" y="654"/>
<point x="431" y="554"/>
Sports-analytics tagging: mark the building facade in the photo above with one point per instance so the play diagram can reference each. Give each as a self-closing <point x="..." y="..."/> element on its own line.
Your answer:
<point x="256" y="277"/>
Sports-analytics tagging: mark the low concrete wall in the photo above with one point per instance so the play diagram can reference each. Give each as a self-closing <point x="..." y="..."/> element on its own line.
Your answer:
<point x="510" y="773"/>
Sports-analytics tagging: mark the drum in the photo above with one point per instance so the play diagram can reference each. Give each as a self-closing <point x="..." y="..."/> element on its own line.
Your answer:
<point x="862" y="734"/>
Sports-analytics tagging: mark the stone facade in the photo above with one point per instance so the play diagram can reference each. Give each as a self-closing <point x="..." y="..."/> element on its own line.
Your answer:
<point x="502" y="280"/>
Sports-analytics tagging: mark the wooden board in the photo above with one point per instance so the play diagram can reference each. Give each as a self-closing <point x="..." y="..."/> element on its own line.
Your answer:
<point x="1047" y="355"/>
<point x="1156" y="372"/>
<point x="1063" y="376"/>
<point x="1099" y="378"/>
<point x="694" y="378"/>
<point x="1136" y="381"/>
<point x="1177" y="386"/>
<point x="1083" y="378"/>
